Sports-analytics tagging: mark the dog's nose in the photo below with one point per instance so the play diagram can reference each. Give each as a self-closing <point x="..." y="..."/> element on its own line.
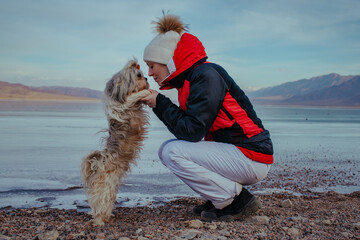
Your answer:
<point x="145" y="79"/>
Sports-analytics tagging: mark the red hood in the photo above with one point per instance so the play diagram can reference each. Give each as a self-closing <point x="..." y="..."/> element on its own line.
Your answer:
<point x="189" y="50"/>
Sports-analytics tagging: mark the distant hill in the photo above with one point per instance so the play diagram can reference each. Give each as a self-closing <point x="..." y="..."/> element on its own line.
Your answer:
<point x="18" y="91"/>
<point x="78" y="92"/>
<point x="327" y="90"/>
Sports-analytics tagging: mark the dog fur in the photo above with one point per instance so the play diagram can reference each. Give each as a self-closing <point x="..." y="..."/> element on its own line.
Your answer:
<point x="103" y="171"/>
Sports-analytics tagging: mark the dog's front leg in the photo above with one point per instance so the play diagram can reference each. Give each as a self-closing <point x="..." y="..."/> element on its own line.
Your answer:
<point x="135" y="97"/>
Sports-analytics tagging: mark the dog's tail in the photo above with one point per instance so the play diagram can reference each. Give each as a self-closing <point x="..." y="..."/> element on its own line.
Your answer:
<point x="89" y="166"/>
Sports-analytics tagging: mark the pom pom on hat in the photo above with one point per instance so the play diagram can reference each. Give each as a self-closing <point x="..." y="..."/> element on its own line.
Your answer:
<point x="161" y="48"/>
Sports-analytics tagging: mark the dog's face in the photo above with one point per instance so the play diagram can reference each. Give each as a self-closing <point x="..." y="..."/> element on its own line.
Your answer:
<point x="129" y="80"/>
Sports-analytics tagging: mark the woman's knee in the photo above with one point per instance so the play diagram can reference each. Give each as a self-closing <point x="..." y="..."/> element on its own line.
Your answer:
<point x="166" y="150"/>
<point x="261" y="172"/>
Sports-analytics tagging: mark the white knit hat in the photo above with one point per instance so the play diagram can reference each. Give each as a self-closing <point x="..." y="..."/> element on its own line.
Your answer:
<point x="161" y="48"/>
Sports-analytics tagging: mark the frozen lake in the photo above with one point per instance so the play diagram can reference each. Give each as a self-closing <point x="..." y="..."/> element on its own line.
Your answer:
<point x="42" y="145"/>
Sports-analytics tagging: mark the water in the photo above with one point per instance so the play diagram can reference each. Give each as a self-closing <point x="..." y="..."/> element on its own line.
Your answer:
<point x="42" y="144"/>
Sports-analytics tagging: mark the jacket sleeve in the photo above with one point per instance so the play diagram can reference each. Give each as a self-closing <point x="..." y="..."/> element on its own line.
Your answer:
<point x="207" y="92"/>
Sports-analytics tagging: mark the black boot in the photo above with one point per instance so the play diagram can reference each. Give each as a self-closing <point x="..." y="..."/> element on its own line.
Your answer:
<point x="203" y="207"/>
<point x="243" y="205"/>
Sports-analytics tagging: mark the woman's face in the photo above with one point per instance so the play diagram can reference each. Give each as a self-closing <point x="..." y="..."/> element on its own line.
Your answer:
<point x="158" y="71"/>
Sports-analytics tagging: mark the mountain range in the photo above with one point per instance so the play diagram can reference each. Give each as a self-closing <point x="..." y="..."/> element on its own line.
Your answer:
<point x="16" y="91"/>
<point x="326" y="90"/>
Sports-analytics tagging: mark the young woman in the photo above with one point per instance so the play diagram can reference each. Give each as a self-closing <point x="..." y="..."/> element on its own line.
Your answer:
<point x="220" y="142"/>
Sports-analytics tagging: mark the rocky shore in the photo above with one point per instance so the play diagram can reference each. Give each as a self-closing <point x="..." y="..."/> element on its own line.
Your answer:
<point x="283" y="216"/>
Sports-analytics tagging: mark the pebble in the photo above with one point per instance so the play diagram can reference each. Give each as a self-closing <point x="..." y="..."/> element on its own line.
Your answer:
<point x="3" y="237"/>
<point x="50" y="235"/>
<point x="298" y="219"/>
<point x="219" y="237"/>
<point x="176" y="238"/>
<point x="42" y="211"/>
<point x="356" y="226"/>
<point x="262" y="235"/>
<point x="286" y="203"/>
<point x="190" y="234"/>
<point x="305" y="219"/>
<point x="142" y="238"/>
<point x="62" y="218"/>
<point x="292" y="231"/>
<point x="259" y="220"/>
<point x="101" y="236"/>
<point x="346" y="234"/>
<point x="224" y="233"/>
<point x="326" y="222"/>
<point x="222" y="225"/>
<point x="194" y="223"/>
<point x="211" y="226"/>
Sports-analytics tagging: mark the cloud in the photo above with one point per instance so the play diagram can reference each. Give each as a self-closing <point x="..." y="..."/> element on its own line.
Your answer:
<point x="89" y="41"/>
<point x="284" y="22"/>
<point x="283" y="69"/>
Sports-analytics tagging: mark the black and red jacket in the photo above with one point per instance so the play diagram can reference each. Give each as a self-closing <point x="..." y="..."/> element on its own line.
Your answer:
<point x="212" y="106"/>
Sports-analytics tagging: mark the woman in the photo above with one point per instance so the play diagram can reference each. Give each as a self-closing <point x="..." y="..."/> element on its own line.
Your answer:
<point x="220" y="142"/>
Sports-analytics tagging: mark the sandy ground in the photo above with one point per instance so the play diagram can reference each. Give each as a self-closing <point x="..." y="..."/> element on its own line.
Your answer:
<point x="283" y="216"/>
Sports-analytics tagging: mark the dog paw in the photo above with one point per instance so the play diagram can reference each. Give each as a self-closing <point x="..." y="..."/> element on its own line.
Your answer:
<point x="96" y="222"/>
<point x="145" y="92"/>
<point x="135" y="97"/>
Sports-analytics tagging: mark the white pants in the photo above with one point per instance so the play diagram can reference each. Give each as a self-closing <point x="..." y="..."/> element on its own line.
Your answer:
<point x="214" y="170"/>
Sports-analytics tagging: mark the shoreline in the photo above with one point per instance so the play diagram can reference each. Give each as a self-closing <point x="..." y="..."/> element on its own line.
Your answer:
<point x="283" y="216"/>
<point x="74" y="198"/>
<point x="81" y="99"/>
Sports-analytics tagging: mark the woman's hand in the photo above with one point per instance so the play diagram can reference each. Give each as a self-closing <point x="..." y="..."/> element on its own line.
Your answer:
<point x="150" y="100"/>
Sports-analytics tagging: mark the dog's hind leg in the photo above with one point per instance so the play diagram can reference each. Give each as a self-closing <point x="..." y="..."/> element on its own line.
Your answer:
<point x="102" y="196"/>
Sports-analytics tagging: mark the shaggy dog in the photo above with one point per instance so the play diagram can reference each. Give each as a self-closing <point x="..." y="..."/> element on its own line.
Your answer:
<point x="103" y="171"/>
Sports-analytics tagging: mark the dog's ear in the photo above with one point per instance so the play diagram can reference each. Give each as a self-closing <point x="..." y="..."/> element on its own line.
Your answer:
<point x="114" y="91"/>
<point x="133" y="64"/>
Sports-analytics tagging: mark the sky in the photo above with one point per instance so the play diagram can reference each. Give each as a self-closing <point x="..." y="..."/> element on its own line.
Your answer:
<point x="83" y="43"/>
